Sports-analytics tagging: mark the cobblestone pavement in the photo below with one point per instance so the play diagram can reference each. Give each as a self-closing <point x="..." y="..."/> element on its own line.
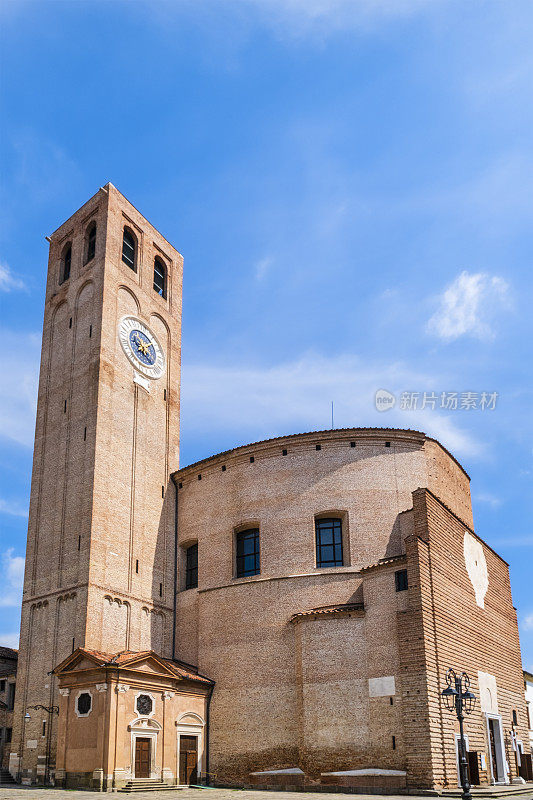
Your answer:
<point x="31" y="793"/>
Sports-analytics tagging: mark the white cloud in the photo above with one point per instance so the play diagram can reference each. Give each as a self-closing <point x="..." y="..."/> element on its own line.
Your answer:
<point x="8" y="281"/>
<point x="527" y="622"/>
<point x="14" y="509"/>
<point x="12" y="578"/>
<point x="296" y="396"/>
<point x="19" y="367"/>
<point x="468" y="306"/>
<point x="488" y="498"/>
<point x="10" y="640"/>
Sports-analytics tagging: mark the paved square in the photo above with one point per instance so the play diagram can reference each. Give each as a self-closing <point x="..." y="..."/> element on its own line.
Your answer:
<point x="31" y="793"/>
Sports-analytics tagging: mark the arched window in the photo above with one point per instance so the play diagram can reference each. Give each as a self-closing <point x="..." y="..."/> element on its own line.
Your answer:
<point x="90" y="242"/>
<point x="247" y="553"/>
<point x="66" y="262"/>
<point x="160" y="277"/>
<point x="129" y="249"/>
<point x="328" y="532"/>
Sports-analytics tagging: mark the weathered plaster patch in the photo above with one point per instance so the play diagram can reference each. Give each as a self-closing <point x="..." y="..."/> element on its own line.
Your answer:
<point x="476" y="566"/>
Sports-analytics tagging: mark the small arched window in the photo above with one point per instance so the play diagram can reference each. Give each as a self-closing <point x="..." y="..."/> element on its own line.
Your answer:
<point x="66" y="263"/>
<point x="90" y="242"/>
<point x="160" y="277"/>
<point x="328" y="533"/>
<point x="129" y="249"/>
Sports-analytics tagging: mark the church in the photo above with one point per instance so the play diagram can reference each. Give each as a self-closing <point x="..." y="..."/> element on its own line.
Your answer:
<point x="280" y="615"/>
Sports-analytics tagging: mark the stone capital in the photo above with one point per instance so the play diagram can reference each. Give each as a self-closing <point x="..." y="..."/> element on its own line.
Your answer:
<point x="64" y="692"/>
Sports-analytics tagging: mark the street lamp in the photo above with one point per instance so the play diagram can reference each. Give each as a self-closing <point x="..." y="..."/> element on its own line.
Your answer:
<point x="460" y="699"/>
<point x="25" y="719"/>
<point x="49" y="710"/>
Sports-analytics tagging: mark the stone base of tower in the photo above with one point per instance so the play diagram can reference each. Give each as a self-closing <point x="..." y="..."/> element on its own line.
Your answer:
<point x="129" y="716"/>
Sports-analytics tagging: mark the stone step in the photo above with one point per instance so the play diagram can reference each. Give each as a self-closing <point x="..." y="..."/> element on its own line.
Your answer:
<point x="164" y="788"/>
<point x="6" y="776"/>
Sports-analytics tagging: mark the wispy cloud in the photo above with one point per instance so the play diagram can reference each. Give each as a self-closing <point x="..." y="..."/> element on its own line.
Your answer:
<point x="301" y="16"/>
<point x="13" y="508"/>
<point x="488" y="498"/>
<point x="8" y="281"/>
<point x="12" y="578"/>
<point x="19" y="366"/>
<point x="262" y="266"/>
<point x="527" y="622"/>
<point x="296" y="396"/>
<point x="10" y="640"/>
<point x="467" y="307"/>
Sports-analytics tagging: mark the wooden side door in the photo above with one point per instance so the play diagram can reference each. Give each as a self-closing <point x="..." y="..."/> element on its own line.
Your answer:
<point x="188" y="760"/>
<point x="473" y="767"/>
<point x="143" y="753"/>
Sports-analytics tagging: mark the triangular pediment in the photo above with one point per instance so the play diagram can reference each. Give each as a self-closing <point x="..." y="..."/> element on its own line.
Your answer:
<point x="80" y="660"/>
<point x="148" y="663"/>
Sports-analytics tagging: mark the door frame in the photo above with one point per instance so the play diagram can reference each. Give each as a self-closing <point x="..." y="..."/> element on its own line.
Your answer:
<point x="144" y="734"/>
<point x="500" y="749"/>
<point x="190" y="729"/>
<point x="150" y="739"/>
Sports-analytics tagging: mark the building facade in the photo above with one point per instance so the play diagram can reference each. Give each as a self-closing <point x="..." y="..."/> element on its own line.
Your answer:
<point x="8" y="678"/>
<point x="279" y="614"/>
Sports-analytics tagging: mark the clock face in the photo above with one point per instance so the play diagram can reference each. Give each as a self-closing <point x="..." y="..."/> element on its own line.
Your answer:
<point x="141" y="347"/>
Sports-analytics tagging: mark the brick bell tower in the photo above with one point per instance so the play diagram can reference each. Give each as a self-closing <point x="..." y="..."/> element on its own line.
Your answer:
<point x="100" y="551"/>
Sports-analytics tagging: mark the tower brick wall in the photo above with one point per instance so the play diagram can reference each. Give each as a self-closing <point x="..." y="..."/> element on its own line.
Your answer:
<point x="99" y="563"/>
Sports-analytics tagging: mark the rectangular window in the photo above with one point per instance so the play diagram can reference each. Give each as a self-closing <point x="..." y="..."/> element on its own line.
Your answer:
<point x="44" y="728"/>
<point x="2" y="686"/>
<point x="328" y="542"/>
<point x="400" y="579"/>
<point x="9" y="733"/>
<point x="191" y="567"/>
<point x="247" y="553"/>
<point x="10" y="696"/>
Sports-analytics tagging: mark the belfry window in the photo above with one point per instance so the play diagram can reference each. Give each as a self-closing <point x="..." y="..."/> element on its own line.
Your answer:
<point x="328" y="533"/>
<point x="90" y="242"/>
<point x="66" y="263"/>
<point x="160" y="277"/>
<point x="191" y="566"/>
<point x="129" y="249"/>
<point x="247" y="553"/>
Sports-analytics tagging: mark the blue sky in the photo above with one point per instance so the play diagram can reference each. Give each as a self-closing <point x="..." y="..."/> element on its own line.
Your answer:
<point x="350" y="185"/>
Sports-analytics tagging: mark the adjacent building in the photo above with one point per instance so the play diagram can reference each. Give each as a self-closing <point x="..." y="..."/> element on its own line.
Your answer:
<point x="281" y="614"/>
<point x="8" y="677"/>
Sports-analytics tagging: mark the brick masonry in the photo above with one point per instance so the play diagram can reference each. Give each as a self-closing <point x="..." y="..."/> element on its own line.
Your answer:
<point x="321" y="670"/>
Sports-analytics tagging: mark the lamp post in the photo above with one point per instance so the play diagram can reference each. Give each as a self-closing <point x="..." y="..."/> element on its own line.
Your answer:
<point x="25" y="718"/>
<point x="461" y="700"/>
<point x="49" y="710"/>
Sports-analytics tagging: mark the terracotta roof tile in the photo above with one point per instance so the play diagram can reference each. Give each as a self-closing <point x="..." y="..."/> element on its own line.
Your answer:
<point x="383" y="562"/>
<point x="336" y="610"/>
<point x="125" y="657"/>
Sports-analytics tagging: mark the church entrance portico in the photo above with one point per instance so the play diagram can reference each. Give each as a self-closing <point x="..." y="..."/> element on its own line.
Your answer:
<point x="139" y="703"/>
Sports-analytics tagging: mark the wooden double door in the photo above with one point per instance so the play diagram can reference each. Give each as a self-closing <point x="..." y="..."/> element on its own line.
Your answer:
<point x="143" y="756"/>
<point x="188" y="760"/>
